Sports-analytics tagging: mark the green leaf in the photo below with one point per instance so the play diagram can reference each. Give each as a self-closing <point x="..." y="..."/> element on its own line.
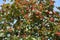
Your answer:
<point x="11" y="0"/>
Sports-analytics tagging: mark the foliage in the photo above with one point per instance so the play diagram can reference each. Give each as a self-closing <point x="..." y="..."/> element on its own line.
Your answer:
<point x="29" y="20"/>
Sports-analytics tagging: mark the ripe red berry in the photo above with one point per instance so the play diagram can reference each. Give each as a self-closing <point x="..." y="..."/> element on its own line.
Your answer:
<point x="57" y="33"/>
<point x="52" y="19"/>
<point x="37" y="13"/>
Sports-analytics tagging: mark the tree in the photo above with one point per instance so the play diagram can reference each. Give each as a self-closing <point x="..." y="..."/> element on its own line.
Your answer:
<point x="29" y="19"/>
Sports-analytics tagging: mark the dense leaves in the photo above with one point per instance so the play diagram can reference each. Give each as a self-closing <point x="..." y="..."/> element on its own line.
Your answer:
<point x="29" y="20"/>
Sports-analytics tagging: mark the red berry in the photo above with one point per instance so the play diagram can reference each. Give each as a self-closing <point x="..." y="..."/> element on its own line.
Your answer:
<point x="52" y="19"/>
<point x="37" y="13"/>
<point x="32" y="8"/>
<point x="57" y="33"/>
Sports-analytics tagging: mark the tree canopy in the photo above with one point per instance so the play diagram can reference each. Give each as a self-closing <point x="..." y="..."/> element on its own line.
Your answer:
<point x="29" y="20"/>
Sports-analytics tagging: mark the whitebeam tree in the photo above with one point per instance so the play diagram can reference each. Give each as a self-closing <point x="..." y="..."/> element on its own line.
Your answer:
<point x="29" y="20"/>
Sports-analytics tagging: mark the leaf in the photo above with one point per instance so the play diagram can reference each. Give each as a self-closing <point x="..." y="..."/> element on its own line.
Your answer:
<point x="4" y="0"/>
<point x="11" y="0"/>
<point x="58" y="8"/>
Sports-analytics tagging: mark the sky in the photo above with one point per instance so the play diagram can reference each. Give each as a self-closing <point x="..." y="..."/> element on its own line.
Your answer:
<point x="57" y="3"/>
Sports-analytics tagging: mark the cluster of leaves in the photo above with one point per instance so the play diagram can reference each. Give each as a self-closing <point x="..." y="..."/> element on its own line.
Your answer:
<point x="29" y="19"/>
